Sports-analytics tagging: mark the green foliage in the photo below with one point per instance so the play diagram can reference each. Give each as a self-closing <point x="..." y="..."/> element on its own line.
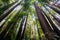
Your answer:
<point x="13" y="20"/>
<point x="43" y="1"/>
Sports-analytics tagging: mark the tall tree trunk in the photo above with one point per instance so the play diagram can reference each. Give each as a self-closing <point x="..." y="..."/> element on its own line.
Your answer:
<point x="55" y="4"/>
<point x="53" y="25"/>
<point x="2" y="35"/>
<point x="6" y="7"/>
<point x="56" y="16"/>
<point x="44" y="25"/>
<point x="56" y="30"/>
<point x="8" y="24"/>
<point x="9" y="10"/>
<point x="54" y="8"/>
<point x="12" y="32"/>
<point x="22" y="37"/>
<point x="39" y="33"/>
<point x="22" y="28"/>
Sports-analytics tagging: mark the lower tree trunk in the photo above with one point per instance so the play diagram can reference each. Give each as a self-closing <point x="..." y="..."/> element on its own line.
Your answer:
<point x="55" y="4"/>
<point x="22" y="37"/>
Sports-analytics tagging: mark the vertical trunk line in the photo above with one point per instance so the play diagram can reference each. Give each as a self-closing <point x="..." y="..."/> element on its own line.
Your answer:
<point x="43" y="23"/>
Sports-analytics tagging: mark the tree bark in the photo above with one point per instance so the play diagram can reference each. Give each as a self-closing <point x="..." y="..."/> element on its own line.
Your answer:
<point x="56" y="30"/>
<point x="6" y="7"/>
<point x="22" y="28"/>
<point x="7" y="26"/>
<point x="55" y="9"/>
<point x="44" y="25"/>
<point x="53" y="25"/>
<point x="9" y="10"/>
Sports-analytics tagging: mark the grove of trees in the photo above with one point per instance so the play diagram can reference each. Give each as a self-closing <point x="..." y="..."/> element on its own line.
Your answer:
<point x="29" y="19"/>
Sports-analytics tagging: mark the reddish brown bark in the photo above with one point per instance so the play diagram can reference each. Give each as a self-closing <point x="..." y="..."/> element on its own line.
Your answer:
<point x="44" y="24"/>
<point x="53" y="25"/>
